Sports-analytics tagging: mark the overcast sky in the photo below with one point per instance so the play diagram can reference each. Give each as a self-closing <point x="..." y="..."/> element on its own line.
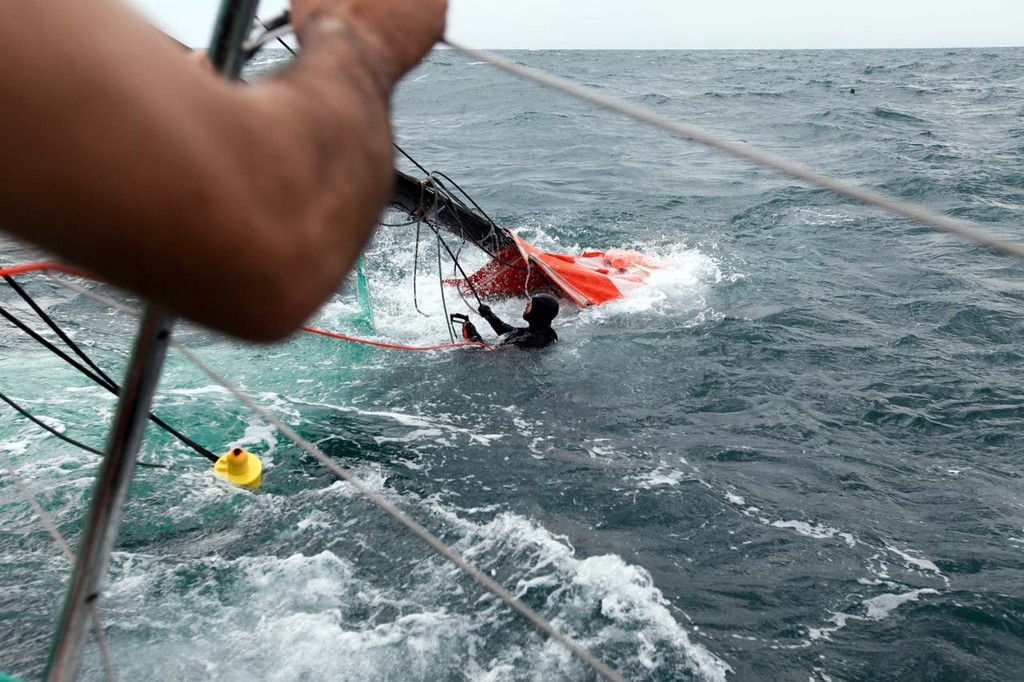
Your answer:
<point x="685" y="24"/>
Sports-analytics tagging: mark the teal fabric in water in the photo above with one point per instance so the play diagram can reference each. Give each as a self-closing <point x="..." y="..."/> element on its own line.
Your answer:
<point x="363" y="296"/>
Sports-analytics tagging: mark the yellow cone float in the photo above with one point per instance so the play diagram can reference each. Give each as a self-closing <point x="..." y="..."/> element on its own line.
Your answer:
<point x="241" y="467"/>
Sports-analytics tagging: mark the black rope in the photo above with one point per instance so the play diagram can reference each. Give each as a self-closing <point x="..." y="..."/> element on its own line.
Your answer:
<point x="405" y="224"/>
<point x="67" y="439"/>
<point x="414" y="161"/>
<point x="494" y="226"/>
<point x="415" y="269"/>
<point x="466" y="194"/>
<point x="458" y="253"/>
<point x="24" y="413"/>
<point x="455" y="260"/>
<point x="279" y="39"/>
<point x="112" y="387"/>
<point x="56" y="351"/>
<point x="440" y="188"/>
<point x="57" y="330"/>
<point x="440" y="282"/>
<point x="454" y="198"/>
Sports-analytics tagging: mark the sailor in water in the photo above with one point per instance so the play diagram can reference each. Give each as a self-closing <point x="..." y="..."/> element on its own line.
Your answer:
<point x="540" y="310"/>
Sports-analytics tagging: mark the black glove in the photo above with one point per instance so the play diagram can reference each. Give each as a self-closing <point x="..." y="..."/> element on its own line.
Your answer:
<point x="485" y="310"/>
<point x="459" y="317"/>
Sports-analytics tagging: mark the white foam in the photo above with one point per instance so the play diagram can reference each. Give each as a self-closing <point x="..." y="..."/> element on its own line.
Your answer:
<point x="321" y="616"/>
<point x="659" y="477"/>
<point x="283" y="618"/>
<point x="625" y="594"/>
<point x="414" y="435"/>
<point x="16" y="447"/>
<point x="921" y="564"/>
<point x="823" y="216"/>
<point x="212" y="389"/>
<point x="884" y="604"/>
<point x="807" y="529"/>
<point x="436" y="428"/>
<point x="680" y="287"/>
<point x="596" y="450"/>
<point x="259" y="434"/>
<point x="876" y="608"/>
<point x="54" y="423"/>
<point x="629" y="595"/>
<point x="316" y="520"/>
<point x="817" y="531"/>
<point x="368" y="478"/>
<point x="838" y="620"/>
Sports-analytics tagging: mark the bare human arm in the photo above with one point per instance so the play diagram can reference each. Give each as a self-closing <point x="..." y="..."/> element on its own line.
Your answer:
<point x="240" y="207"/>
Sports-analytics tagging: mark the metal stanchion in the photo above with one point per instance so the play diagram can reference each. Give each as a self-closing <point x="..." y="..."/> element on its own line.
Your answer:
<point x="93" y="555"/>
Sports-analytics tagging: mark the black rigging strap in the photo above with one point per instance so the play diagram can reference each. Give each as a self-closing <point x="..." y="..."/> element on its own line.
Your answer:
<point x="56" y="329"/>
<point x="98" y="376"/>
<point x="67" y="439"/>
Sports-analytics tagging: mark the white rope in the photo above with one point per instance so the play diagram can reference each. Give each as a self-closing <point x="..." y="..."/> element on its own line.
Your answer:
<point x="44" y="518"/>
<point x="51" y="527"/>
<point x="376" y="498"/>
<point x="899" y="207"/>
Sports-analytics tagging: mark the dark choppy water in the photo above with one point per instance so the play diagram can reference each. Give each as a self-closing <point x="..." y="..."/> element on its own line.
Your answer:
<point x="797" y="455"/>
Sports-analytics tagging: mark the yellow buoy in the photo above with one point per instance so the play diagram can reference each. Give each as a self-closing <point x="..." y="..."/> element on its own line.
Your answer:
<point x="240" y="467"/>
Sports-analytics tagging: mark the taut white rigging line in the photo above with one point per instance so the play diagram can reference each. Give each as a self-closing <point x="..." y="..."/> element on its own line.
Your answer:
<point x="898" y="207"/>
<point x="376" y="498"/>
<point x="62" y="544"/>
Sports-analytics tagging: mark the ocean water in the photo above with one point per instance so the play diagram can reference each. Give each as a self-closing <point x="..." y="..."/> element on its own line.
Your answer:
<point x="795" y="455"/>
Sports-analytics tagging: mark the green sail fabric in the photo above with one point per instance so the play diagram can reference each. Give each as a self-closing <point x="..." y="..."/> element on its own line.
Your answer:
<point x="363" y="295"/>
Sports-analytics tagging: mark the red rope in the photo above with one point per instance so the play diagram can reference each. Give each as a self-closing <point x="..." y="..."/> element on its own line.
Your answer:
<point x="43" y="267"/>
<point x="397" y="346"/>
<point x="67" y="269"/>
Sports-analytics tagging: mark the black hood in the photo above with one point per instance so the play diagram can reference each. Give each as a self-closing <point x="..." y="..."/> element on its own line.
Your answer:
<point x="543" y="310"/>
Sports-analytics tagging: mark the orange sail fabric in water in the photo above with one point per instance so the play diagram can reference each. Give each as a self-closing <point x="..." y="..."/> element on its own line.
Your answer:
<point x="592" y="278"/>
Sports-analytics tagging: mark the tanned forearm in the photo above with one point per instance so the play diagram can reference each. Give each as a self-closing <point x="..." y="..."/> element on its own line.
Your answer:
<point x="239" y="207"/>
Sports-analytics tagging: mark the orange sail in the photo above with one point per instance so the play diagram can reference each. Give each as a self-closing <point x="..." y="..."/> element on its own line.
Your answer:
<point x="592" y="278"/>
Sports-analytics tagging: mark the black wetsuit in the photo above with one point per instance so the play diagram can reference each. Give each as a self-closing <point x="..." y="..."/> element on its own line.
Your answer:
<point x="538" y="335"/>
